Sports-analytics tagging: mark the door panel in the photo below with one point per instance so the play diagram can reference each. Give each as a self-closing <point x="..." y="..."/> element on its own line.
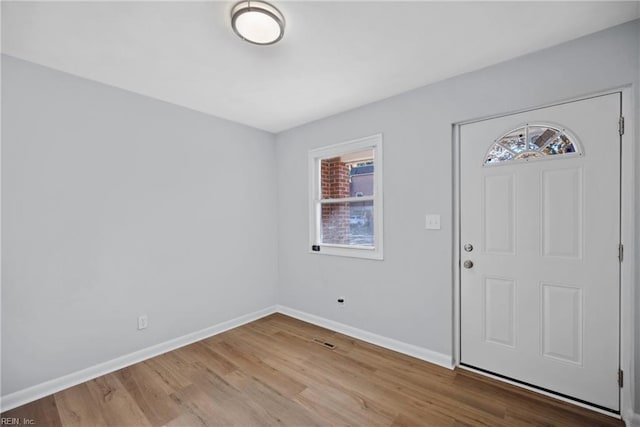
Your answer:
<point x="562" y="323"/>
<point x="499" y="311"/>
<point x="561" y="201"/>
<point x="540" y="304"/>
<point x="499" y="214"/>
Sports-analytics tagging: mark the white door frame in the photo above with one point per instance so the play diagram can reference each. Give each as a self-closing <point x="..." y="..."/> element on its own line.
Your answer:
<point x="627" y="270"/>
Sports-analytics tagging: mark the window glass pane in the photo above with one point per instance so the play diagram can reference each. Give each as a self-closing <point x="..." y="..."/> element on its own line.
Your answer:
<point x="514" y="141"/>
<point x="498" y="154"/>
<point x="347" y="223"/>
<point x="559" y="145"/>
<point x="539" y="136"/>
<point x="349" y="175"/>
<point x="529" y="155"/>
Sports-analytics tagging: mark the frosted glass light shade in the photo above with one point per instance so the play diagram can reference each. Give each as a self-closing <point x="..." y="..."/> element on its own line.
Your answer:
<point x="257" y="22"/>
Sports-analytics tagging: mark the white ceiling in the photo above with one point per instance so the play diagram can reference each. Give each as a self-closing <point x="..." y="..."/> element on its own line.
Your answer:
<point x="334" y="56"/>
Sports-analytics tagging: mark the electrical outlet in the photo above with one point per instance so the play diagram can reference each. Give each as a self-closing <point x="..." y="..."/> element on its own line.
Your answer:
<point x="143" y="322"/>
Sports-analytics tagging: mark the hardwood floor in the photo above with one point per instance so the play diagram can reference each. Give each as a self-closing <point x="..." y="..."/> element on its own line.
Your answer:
<point x="271" y="372"/>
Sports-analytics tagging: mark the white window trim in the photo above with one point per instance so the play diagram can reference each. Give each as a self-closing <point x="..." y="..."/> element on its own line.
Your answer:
<point x="373" y="142"/>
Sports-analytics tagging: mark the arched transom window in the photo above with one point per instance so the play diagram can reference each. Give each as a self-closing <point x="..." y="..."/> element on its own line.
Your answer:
<point x="531" y="142"/>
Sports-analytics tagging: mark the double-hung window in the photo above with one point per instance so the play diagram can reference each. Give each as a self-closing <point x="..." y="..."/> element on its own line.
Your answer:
<point x="345" y="198"/>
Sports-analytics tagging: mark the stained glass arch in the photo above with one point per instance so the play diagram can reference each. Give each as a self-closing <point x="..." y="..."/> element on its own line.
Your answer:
<point x="532" y="141"/>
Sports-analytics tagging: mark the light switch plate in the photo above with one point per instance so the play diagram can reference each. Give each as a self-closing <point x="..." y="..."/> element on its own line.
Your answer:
<point x="432" y="222"/>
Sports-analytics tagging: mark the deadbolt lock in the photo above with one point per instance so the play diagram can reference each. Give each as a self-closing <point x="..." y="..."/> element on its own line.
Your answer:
<point x="468" y="247"/>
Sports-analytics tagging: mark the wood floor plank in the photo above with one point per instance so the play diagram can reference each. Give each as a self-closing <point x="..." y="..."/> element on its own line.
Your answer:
<point x="216" y="402"/>
<point x="336" y="405"/>
<point x="281" y="409"/>
<point x="427" y="419"/>
<point x="201" y="353"/>
<point x="173" y="370"/>
<point x="150" y="393"/>
<point x="196" y="402"/>
<point x="77" y="408"/>
<point x="41" y="412"/>
<point x="117" y="407"/>
<point x="248" y="359"/>
<point x="186" y="419"/>
<point x="271" y="372"/>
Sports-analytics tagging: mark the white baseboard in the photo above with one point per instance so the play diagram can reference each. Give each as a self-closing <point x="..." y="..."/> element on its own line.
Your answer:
<point x="633" y="420"/>
<point x="391" y="344"/>
<point x="46" y="388"/>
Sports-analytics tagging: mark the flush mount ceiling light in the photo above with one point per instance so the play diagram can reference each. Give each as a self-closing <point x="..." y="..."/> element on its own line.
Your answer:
<point x="257" y="22"/>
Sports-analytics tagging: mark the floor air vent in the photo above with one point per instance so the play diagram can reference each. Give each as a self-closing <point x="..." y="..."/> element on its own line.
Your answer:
<point x="324" y="344"/>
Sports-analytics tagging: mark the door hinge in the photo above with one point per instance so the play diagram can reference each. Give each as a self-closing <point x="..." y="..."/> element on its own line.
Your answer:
<point x="620" y="252"/>
<point x="621" y="125"/>
<point x="620" y="378"/>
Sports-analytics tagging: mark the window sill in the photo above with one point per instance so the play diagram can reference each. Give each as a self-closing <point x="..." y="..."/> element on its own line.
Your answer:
<point x="349" y="252"/>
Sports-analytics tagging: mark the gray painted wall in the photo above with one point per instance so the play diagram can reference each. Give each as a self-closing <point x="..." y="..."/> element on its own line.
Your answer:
<point x="116" y="205"/>
<point x="408" y="296"/>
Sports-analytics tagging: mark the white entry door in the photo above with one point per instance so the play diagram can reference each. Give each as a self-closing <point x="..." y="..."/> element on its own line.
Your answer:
<point x="540" y="232"/>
